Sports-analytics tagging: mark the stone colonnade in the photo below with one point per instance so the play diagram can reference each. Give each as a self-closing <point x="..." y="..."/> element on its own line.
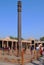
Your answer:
<point x="13" y="44"/>
<point x="9" y="44"/>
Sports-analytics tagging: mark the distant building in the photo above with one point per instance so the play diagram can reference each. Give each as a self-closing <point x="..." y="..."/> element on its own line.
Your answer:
<point x="12" y="43"/>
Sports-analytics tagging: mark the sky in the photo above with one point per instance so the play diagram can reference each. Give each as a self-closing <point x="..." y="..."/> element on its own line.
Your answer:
<point x="32" y="18"/>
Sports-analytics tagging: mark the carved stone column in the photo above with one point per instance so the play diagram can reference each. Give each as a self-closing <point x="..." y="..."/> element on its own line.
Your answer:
<point x="16" y="46"/>
<point x="26" y="46"/>
<point x="2" y="43"/>
<point x="7" y="44"/>
<point x="12" y="44"/>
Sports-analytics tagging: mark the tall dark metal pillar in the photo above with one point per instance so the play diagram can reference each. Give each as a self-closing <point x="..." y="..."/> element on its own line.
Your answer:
<point x="19" y="28"/>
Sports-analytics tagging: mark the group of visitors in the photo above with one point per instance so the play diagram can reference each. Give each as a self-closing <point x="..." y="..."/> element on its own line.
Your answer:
<point x="39" y="49"/>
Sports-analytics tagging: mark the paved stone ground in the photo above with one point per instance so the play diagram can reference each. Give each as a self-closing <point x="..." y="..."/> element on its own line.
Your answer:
<point x="33" y="63"/>
<point x="3" y="63"/>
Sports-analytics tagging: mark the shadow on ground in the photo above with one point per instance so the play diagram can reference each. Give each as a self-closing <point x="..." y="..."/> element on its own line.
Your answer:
<point x="34" y="63"/>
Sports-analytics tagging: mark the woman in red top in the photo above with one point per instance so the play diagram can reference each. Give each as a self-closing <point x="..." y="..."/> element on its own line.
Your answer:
<point x="41" y="50"/>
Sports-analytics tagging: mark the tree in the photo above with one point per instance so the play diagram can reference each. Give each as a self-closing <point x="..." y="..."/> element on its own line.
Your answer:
<point x="15" y="38"/>
<point x="42" y="38"/>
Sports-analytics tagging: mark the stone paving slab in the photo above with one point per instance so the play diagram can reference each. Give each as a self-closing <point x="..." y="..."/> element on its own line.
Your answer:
<point x="33" y="63"/>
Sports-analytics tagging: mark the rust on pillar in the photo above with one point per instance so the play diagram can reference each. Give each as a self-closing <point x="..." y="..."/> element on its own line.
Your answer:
<point x="22" y="56"/>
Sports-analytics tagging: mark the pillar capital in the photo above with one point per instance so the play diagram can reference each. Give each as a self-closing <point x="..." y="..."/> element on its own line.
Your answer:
<point x="19" y="6"/>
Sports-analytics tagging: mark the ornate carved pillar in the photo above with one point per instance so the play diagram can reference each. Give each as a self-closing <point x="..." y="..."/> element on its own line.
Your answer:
<point x="7" y="44"/>
<point x="2" y="47"/>
<point x="34" y="45"/>
<point x="26" y="45"/>
<point x="12" y="44"/>
<point x="2" y="43"/>
<point x="16" y="46"/>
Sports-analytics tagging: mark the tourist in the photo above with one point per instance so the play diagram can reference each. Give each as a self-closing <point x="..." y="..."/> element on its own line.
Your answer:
<point x="43" y="52"/>
<point x="37" y="52"/>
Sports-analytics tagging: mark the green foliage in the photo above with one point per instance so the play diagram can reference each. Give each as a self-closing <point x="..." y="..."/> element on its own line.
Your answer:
<point x="42" y="38"/>
<point x="15" y="38"/>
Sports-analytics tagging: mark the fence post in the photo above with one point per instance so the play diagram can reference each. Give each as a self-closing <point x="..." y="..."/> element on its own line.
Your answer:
<point x="22" y="57"/>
